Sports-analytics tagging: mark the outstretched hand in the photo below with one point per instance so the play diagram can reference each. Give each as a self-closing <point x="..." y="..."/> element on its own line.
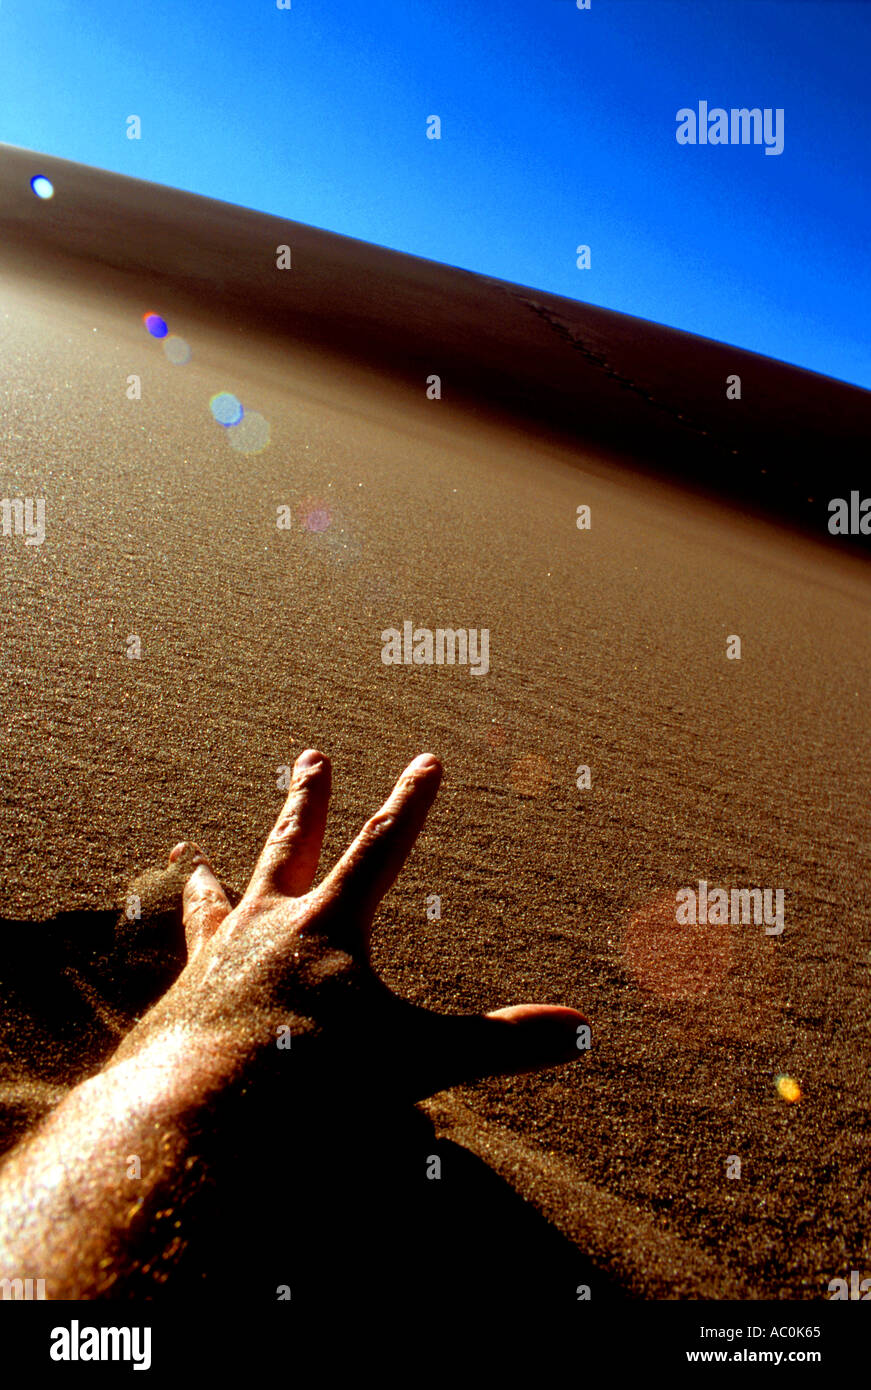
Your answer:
<point x="293" y="956"/>
<point x="207" y="1145"/>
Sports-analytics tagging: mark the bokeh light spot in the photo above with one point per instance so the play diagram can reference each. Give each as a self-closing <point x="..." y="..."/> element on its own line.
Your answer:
<point x="787" y="1088"/>
<point x="155" y="324"/>
<point x="675" y="960"/>
<point x="226" y="408"/>
<point x="345" y="550"/>
<point x="251" y="435"/>
<point x="177" y="350"/>
<point x="314" y="515"/>
<point x="531" y="775"/>
<point x="42" y="187"/>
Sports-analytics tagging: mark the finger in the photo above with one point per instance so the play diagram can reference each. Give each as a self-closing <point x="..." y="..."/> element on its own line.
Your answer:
<point x="524" y="1037"/>
<point x="204" y="902"/>
<point x="367" y="869"/>
<point x="289" y="860"/>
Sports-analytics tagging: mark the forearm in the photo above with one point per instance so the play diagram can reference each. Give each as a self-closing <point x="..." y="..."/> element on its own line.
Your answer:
<point x="95" y="1199"/>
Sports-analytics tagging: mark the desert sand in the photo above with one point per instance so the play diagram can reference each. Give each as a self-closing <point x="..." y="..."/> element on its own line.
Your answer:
<point x="607" y="649"/>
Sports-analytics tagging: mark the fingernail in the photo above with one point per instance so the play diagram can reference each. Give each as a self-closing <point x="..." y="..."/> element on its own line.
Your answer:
<point x="310" y="758"/>
<point x="178" y="851"/>
<point x="425" y="761"/>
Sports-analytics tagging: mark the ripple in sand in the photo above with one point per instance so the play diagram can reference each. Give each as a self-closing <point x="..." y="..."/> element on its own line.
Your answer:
<point x="177" y="350"/>
<point x="251" y="435"/>
<point x="155" y="325"/>
<point x="42" y="187"/>
<point x="672" y="959"/>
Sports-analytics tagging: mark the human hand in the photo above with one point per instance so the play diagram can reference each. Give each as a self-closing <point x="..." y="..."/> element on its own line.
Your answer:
<point x="293" y="955"/>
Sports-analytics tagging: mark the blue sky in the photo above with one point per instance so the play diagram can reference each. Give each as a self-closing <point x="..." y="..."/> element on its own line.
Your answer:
<point x="558" y="128"/>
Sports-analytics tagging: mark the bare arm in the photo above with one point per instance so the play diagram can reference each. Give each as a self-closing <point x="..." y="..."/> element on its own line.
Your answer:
<point x="104" y="1196"/>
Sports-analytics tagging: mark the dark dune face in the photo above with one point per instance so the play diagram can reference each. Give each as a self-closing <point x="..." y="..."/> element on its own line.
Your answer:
<point x="657" y="395"/>
<point x="607" y="650"/>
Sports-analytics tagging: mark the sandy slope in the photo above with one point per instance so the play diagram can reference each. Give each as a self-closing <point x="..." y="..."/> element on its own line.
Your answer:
<point x="607" y="648"/>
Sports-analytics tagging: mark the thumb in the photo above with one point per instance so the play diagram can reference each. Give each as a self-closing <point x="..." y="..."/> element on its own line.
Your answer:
<point x="532" y="1036"/>
<point x="523" y="1037"/>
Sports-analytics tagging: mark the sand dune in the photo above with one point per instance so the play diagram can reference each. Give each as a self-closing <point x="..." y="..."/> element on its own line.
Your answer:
<point x="607" y="649"/>
<point x="577" y="371"/>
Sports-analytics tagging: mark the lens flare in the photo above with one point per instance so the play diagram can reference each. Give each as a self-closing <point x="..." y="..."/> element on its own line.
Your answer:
<point x="531" y="775"/>
<point x="226" y="408"/>
<point x="344" y="550"/>
<point x="177" y="350"/>
<point x="675" y="960"/>
<point x="42" y="187"/>
<point x="251" y="435"/>
<point x="314" y="515"/>
<point x="787" y="1088"/>
<point x="155" y="325"/>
